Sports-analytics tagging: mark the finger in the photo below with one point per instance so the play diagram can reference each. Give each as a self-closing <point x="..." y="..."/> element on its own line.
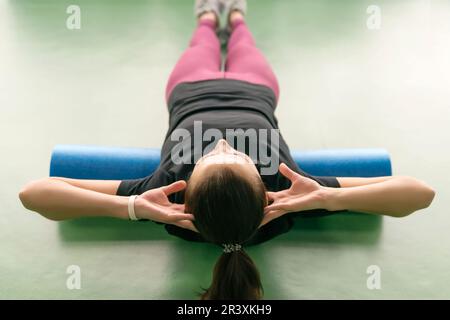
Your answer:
<point x="178" y="207"/>
<point x="276" y="206"/>
<point x="303" y="203"/>
<point x="275" y="214"/>
<point x="174" y="187"/>
<point x="180" y="216"/>
<point x="287" y="172"/>
<point x="271" y="195"/>
<point x="300" y="204"/>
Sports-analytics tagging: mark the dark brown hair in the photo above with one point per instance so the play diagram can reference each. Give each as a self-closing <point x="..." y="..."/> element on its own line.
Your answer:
<point x="228" y="209"/>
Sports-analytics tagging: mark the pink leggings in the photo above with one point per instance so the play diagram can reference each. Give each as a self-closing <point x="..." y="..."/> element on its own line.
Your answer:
<point x="202" y="60"/>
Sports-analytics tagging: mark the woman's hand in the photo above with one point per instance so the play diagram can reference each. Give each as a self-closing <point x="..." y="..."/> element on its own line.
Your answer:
<point x="304" y="194"/>
<point x="155" y="205"/>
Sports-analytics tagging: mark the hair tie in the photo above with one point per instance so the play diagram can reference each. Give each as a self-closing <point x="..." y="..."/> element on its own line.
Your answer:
<point x="229" y="248"/>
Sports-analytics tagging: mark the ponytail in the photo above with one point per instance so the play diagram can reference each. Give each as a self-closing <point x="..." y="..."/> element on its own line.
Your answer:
<point x="235" y="277"/>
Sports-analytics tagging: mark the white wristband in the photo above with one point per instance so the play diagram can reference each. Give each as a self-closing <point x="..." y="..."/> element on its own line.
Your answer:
<point x="131" y="212"/>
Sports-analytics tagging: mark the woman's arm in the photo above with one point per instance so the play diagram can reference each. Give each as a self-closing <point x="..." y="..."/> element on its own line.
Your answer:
<point x="345" y="182"/>
<point x="61" y="198"/>
<point x="103" y="186"/>
<point x="396" y="196"/>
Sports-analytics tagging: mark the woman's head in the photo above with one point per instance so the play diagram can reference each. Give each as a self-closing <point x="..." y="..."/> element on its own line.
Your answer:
<point x="227" y="197"/>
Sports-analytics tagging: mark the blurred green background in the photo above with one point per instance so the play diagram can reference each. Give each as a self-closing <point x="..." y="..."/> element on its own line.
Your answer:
<point x="342" y="85"/>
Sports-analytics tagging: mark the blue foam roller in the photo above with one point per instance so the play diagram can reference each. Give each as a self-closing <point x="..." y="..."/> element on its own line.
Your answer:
<point x="345" y="162"/>
<point x="105" y="163"/>
<point x="112" y="163"/>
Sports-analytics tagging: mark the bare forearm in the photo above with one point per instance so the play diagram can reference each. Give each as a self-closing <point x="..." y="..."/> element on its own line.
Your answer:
<point x="346" y="182"/>
<point x="394" y="197"/>
<point x="59" y="200"/>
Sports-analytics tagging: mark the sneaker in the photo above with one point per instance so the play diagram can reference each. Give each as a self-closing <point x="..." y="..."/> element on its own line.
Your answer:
<point x="228" y="6"/>
<point x="202" y="6"/>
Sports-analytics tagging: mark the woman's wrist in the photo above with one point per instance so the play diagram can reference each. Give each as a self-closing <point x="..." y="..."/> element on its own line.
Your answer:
<point x="331" y="199"/>
<point x="140" y="208"/>
<point x="119" y="208"/>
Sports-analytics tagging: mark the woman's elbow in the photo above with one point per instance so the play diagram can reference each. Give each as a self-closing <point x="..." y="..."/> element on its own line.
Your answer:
<point x="26" y="194"/>
<point x="428" y="194"/>
<point x="421" y="197"/>
<point x="37" y="196"/>
<point x="31" y="194"/>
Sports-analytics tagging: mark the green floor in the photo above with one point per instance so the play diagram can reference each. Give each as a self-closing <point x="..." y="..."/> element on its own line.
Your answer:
<point x="343" y="85"/>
